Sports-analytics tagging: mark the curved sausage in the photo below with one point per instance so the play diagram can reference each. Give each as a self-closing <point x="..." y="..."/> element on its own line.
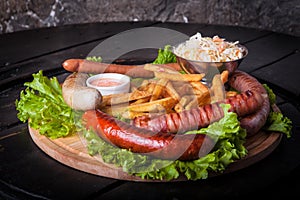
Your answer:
<point x="242" y="81"/>
<point x="160" y="145"/>
<point x="77" y="95"/>
<point x="242" y="104"/>
<point x="86" y="66"/>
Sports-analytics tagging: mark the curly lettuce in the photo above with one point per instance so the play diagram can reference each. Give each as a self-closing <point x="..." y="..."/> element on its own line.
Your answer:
<point x="42" y="105"/>
<point x="94" y="58"/>
<point x="276" y="121"/>
<point x="165" y="56"/>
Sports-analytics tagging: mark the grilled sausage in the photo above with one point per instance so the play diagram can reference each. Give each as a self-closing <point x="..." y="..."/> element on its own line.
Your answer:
<point x="86" y="66"/>
<point x="160" y="145"/>
<point x="242" y="81"/>
<point x="77" y="95"/>
<point x="242" y="104"/>
<point x="253" y="111"/>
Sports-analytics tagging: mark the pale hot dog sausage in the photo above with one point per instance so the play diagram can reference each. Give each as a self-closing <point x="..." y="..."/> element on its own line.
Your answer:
<point x="77" y="95"/>
<point x="86" y="66"/>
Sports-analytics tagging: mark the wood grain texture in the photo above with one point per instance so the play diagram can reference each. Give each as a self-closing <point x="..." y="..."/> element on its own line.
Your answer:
<point x="72" y="152"/>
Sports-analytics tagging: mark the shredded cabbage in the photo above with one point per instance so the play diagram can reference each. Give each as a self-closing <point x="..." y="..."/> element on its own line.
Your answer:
<point x="208" y="49"/>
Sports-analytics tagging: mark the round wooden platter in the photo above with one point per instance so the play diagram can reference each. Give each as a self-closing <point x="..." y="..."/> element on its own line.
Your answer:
<point x="72" y="152"/>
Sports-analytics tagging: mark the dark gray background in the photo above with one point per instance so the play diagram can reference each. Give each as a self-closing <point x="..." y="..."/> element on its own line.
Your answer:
<point x="277" y="15"/>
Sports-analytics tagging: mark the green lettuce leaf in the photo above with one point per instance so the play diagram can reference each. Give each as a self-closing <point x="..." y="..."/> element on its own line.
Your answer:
<point x="229" y="147"/>
<point x="165" y="56"/>
<point x="94" y="58"/>
<point x="42" y="105"/>
<point x="276" y="121"/>
<point x="279" y="123"/>
<point x="271" y="94"/>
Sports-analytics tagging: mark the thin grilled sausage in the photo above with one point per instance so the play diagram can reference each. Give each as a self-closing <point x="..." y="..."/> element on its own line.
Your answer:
<point x="86" y="66"/>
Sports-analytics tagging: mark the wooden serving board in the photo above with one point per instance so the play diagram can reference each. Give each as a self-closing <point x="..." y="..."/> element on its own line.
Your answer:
<point x="72" y="152"/>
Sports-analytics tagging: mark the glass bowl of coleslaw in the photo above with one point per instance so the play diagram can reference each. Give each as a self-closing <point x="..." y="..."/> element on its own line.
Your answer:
<point x="209" y="55"/>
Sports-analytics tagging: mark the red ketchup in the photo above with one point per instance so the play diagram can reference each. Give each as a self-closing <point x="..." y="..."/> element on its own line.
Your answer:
<point x="106" y="82"/>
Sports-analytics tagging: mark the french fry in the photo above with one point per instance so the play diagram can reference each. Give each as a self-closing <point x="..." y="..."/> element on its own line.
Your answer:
<point x="159" y="68"/>
<point x="204" y="98"/>
<point x="138" y="94"/>
<point x="179" y="107"/>
<point x="199" y="88"/>
<point x="158" y="89"/>
<point x="139" y="101"/>
<point x="133" y="88"/>
<point x="231" y="93"/>
<point x="186" y="99"/>
<point x="119" y="98"/>
<point x="217" y="89"/>
<point x="179" y="77"/>
<point x="177" y="84"/>
<point x="131" y="114"/>
<point x="144" y="83"/>
<point x="192" y="104"/>
<point x="185" y="89"/>
<point x="116" y="110"/>
<point x="148" y="87"/>
<point x="153" y="106"/>
<point x="224" y="76"/>
<point x="201" y="91"/>
<point x="114" y="99"/>
<point x="172" y="92"/>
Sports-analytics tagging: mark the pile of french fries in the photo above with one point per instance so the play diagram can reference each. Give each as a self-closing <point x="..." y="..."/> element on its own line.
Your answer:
<point x="169" y="91"/>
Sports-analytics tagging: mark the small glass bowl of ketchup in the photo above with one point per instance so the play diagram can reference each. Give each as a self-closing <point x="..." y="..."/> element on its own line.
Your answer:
<point x="109" y="83"/>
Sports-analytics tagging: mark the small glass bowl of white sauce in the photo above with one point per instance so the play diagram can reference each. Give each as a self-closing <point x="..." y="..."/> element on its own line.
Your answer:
<point x="109" y="83"/>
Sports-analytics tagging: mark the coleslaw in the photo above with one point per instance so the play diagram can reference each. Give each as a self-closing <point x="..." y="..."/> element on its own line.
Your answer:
<point x="207" y="49"/>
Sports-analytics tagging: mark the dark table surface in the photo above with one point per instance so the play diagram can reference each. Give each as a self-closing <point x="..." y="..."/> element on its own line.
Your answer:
<point x="26" y="172"/>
